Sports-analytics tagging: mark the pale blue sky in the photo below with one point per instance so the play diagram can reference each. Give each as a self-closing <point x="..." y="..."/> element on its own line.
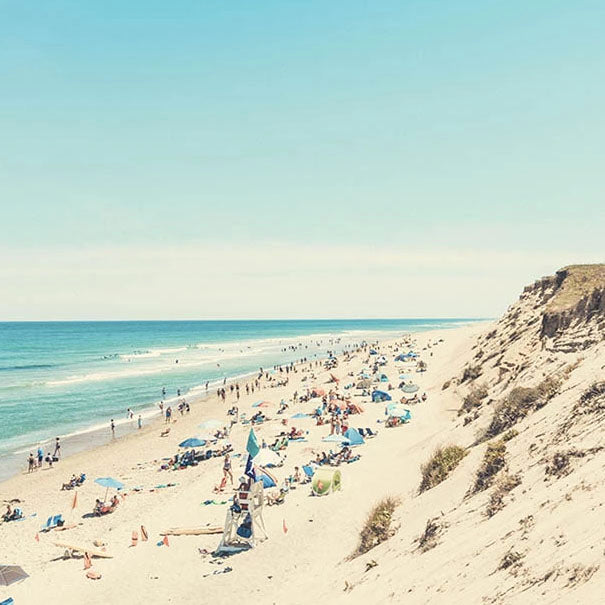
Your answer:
<point x="362" y="130"/>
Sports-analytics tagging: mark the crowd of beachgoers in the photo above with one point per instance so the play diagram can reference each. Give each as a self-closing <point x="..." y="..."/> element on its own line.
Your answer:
<point x="318" y="420"/>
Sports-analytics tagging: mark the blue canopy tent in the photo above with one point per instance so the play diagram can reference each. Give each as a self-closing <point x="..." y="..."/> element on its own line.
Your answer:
<point x="262" y="475"/>
<point x="380" y="396"/>
<point x="373" y="352"/>
<point x="384" y="378"/>
<point x="353" y="437"/>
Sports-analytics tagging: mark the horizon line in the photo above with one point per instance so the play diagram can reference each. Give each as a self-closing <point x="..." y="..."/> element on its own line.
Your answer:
<point x="445" y="318"/>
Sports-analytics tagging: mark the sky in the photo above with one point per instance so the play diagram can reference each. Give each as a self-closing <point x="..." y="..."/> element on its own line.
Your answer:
<point x="277" y="159"/>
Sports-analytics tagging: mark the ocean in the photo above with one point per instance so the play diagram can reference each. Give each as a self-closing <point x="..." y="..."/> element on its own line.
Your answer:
<point x="68" y="378"/>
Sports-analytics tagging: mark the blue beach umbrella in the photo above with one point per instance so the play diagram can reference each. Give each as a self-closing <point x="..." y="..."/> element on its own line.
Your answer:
<point x="109" y="482"/>
<point x="404" y="376"/>
<point x="300" y="415"/>
<point x="192" y="442"/>
<point x="410" y="388"/>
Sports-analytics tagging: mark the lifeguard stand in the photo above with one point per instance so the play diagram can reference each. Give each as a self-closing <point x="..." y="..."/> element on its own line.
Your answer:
<point x="251" y="503"/>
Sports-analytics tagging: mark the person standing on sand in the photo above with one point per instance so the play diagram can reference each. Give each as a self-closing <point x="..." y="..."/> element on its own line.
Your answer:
<point x="113" y="429"/>
<point x="40" y="456"/>
<point x="57" y="453"/>
<point x="140" y="421"/>
<point x="227" y="468"/>
<point x="31" y="463"/>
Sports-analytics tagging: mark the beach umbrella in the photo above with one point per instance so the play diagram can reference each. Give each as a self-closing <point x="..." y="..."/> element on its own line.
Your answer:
<point x="396" y="409"/>
<point x="208" y="425"/>
<point x="192" y="442"/>
<point x="9" y="574"/>
<point x="335" y="439"/>
<point x="404" y="376"/>
<point x="109" y="482"/>
<point x="300" y="415"/>
<point x="267" y="457"/>
<point x="410" y="388"/>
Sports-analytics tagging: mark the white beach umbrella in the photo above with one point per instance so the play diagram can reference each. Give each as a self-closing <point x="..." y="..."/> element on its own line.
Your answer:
<point x="267" y="457"/>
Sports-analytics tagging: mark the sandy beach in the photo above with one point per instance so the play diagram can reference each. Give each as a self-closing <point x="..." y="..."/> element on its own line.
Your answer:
<point x="321" y="532"/>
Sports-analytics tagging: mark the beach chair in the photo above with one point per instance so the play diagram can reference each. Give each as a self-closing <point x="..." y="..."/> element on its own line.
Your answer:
<point x="52" y="522"/>
<point x="326" y="481"/>
<point x="370" y="433"/>
<point x="308" y="474"/>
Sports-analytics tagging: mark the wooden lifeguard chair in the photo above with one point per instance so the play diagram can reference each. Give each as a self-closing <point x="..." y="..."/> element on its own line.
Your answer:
<point x="244" y="523"/>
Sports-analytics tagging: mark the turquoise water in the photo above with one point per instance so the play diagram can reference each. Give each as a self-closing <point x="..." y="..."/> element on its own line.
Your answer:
<point x="58" y="378"/>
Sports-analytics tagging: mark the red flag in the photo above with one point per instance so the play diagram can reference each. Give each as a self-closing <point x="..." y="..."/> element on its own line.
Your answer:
<point x="75" y="501"/>
<point x="285" y="527"/>
<point x="165" y="541"/>
<point x="37" y="538"/>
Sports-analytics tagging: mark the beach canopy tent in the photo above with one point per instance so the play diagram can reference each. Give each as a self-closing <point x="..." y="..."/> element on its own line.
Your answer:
<point x="364" y="384"/>
<point x="380" y="396"/>
<point x="267" y="457"/>
<point x="208" y="425"/>
<point x="353" y="437"/>
<point x="373" y="352"/>
<point x="192" y="442"/>
<point x="409" y="388"/>
<point x="317" y="392"/>
<point x="384" y="378"/>
<point x="326" y="480"/>
<point x="267" y="478"/>
<point x="9" y="574"/>
<point x="335" y="439"/>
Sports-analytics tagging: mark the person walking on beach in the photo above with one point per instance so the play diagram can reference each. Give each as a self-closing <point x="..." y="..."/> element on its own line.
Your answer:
<point x="57" y="453"/>
<point x="140" y="421"/>
<point x="31" y="463"/>
<point x="40" y="456"/>
<point x="113" y="429"/>
<point x="227" y="469"/>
